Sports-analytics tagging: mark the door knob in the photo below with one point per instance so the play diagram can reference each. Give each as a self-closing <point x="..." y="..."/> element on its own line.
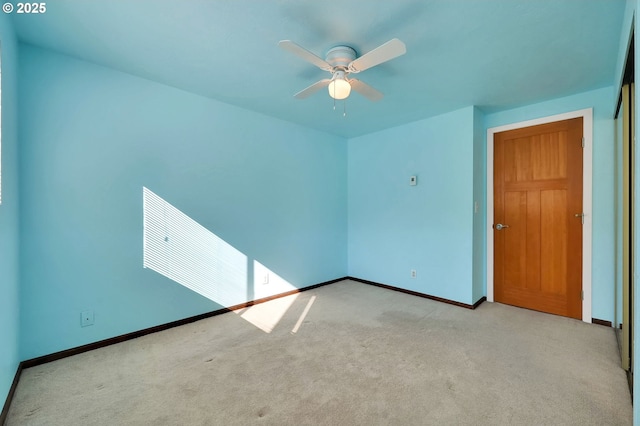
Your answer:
<point x="500" y="226"/>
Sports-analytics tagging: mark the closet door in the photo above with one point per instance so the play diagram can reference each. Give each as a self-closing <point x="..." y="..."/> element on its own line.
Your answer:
<point x="626" y="137"/>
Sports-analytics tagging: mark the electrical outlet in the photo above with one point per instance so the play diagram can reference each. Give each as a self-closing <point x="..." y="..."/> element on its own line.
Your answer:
<point x="413" y="273"/>
<point x="87" y="318"/>
<point x="265" y="278"/>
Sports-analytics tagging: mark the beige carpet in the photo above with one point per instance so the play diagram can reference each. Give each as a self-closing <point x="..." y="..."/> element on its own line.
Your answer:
<point x="361" y="355"/>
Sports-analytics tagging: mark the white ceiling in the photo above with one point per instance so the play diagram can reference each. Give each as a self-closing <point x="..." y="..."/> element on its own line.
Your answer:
<point x="495" y="54"/>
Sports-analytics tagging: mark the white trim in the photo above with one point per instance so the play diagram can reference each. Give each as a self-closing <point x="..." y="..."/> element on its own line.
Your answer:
<point x="587" y="198"/>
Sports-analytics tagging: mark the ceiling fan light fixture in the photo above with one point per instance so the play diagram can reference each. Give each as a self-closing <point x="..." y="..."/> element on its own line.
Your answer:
<point x="339" y="88"/>
<point x="341" y="61"/>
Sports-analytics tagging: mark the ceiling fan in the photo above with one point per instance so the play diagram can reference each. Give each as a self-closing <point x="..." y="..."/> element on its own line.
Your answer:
<point x="341" y="62"/>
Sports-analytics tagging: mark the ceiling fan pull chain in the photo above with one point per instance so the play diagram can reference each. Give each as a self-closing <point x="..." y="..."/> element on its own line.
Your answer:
<point x="344" y="112"/>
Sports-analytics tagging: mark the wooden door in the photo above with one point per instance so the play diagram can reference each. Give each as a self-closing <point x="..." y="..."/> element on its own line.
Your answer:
<point x="538" y="218"/>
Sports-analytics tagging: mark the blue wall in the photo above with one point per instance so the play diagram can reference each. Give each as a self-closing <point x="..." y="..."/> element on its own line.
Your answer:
<point x="394" y="227"/>
<point x="9" y="217"/>
<point x="273" y="190"/>
<point x="603" y="262"/>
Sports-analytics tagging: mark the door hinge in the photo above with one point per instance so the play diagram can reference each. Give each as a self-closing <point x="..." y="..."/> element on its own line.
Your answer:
<point x="582" y="295"/>
<point x="583" y="141"/>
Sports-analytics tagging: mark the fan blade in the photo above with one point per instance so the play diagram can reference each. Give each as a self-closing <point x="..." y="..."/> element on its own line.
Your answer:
<point x="365" y="90"/>
<point x="305" y="54"/>
<point x="305" y="93"/>
<point x="391" y="49"/>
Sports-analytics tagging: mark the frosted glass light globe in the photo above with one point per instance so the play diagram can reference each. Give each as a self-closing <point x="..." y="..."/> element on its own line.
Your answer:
<point x="339" y="89"/>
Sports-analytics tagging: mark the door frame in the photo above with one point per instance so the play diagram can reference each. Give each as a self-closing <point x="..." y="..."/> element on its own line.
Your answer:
<point x="587" y="197"/>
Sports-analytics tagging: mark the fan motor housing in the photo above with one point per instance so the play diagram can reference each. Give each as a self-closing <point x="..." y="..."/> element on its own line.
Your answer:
<point x="340" y="56"/>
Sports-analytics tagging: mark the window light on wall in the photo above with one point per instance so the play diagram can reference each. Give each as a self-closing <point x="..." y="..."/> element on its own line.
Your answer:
<point x="178" y="247"/>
